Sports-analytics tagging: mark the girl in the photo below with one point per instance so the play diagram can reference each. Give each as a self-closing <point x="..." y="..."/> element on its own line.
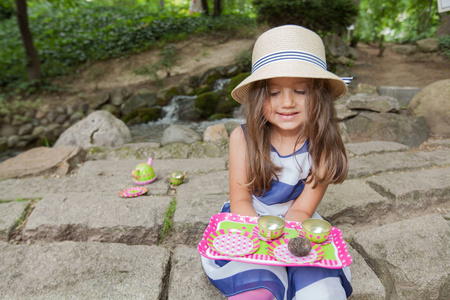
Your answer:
<point x="282" y="160"/>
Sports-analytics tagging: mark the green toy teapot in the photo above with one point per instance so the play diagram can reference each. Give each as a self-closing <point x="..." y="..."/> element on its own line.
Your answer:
<point x="144" y="173"/>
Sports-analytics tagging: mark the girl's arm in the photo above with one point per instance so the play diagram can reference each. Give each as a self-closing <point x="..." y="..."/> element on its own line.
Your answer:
<point x="240" y="197"/>
<point x="305" y="205"/>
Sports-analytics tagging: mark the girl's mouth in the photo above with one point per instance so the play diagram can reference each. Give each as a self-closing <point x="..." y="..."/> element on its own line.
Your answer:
<point x="287" y="116"/>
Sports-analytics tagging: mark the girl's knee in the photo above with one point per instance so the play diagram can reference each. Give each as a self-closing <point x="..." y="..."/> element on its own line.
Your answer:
<point x="258" y="294"/>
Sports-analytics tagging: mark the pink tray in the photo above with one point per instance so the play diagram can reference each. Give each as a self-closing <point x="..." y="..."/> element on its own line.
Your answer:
<point x="335" y="254"/>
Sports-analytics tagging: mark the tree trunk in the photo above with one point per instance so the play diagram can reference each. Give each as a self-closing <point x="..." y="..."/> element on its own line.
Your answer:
<point x="217" y="8"/>
<point x="161" y="4"/>
<point x="205" y="7"/>
<point x="33" y="68"/>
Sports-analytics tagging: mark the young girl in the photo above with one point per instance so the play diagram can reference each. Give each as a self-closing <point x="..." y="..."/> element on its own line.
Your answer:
<point x="282" y="160"/>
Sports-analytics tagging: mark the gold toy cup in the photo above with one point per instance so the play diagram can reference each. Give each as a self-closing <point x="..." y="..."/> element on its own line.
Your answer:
<point x="271" y="227"/>
<point x="316" y="230"/>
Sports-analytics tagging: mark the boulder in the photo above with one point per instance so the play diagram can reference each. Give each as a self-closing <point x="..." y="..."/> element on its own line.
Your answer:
<point x="336" y="45"/>
<point x="373" y="102"/>
<point x="215" y="133"/>
<point x="428" y="45"/>
<point x="42" y="161"/>
<point x="100" y="128"/>
<point x="142" y="98"/>
<point x="387" y="127"/>
<point x="179" y="134"/>
<point x="433" y="103"/>
<point x="119" y="95"/>
<point x="344" y="113"/>
<point x="405" y="49"/>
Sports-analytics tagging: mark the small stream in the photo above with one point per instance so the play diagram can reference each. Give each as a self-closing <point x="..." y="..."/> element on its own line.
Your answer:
<point x="152" y="131"/>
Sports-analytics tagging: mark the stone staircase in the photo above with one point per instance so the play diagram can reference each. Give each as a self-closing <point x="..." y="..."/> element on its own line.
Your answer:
<point x="73" y="238"/>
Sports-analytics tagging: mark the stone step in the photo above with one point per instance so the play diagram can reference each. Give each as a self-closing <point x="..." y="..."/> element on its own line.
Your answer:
<point x="410" y="257"/>
<point x="74" y="270"/>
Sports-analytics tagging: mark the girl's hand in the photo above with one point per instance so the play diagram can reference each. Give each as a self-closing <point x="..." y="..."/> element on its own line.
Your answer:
<point x="306" y="204"/>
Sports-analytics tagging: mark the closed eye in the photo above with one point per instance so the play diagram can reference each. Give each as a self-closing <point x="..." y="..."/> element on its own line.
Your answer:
<point x="300" y="92"/>
<point x="273" y="94"/>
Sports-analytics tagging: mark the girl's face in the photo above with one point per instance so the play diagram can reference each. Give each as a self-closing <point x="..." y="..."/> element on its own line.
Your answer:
<point x="285" y="106"/>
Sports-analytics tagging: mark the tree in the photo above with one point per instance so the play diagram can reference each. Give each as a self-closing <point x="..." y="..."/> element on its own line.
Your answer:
<point x="32" y="65"/>
<point x="217" y="8"/>
<point x="205" y="7"/>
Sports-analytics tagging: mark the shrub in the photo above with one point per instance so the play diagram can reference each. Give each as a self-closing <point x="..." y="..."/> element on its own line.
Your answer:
<point x="322" y="16"/>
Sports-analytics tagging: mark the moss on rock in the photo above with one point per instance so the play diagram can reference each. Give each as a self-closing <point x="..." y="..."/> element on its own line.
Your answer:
<point x="235" y="82"/>
<point x="142" y="115"/>
<point x="206" y="103"/>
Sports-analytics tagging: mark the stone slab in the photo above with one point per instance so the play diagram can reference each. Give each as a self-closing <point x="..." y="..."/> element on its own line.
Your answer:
<point x="414" y="190"/>
<point x="94" y="217"/>
<point x="410" y="257"/>
<point x="193" y="213"/>
<point x="371" y="147"/>
<point x="10" y="213"/>
<point x="212" y="183"/>
<point x="386" y="162"/>
<point x="352" y="202"/>
<point x="188" y="279"/>
<point x="92" y="270"/>
<point x="439" y="157"/>
<point x="107" y="185"/>
<point x="366" y="285"/>
<point x="442" y="142"/>
<point x="163" y="167"/>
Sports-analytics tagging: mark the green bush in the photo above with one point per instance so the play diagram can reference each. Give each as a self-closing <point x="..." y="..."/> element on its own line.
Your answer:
<point x="444" y="45"/>
<point x="322" y="16"/>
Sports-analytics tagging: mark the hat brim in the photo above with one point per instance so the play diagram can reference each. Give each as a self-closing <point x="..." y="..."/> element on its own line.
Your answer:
<point x="289" y="69"/>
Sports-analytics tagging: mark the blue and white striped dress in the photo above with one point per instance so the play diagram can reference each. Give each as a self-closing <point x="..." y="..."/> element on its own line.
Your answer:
<point x="285" y="283"/>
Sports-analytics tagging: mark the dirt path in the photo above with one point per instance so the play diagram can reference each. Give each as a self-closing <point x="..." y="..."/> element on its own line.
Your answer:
<point x="418" y="70"/>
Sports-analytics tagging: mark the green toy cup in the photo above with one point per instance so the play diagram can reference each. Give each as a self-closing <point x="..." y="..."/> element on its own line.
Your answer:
<point x="271" y="227"/>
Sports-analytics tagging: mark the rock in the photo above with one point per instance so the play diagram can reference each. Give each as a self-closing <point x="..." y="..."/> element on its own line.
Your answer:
<point x="231" y="125"/>
<point x="215" y="133"/>
<point x="42" y="160"/>
<point x="364" y="88"/>
<point x="433" y="103"/>
<point x="10" y="214"/>
<point x="179" y="134"/>
<point x="403" y="94"/>
<point x="142" y="98"/>
<point x="8" y="130"/>
<point x="99" y="99"/>
<point x="142" y="115"/>
<point x="76" y="116"/>
<point x="428" y="45"/>
<point x="206" y="103"/>
<point x="61" y="119"/>
<point x="12" y="141"/>
<point x="42" y="111"/>
<point x="343" y="113"/>
<point x="336" y="45"/>
<point x="373" y="102"/>
<point x="343" y="60"/>
<point x="404" y="49"/>
<point x="387" y="127"/>
<point x="401" y="253"/>
<point x="100" y="128"/>
<point x="186" y="108"/>
<point x="119" y="95"/>
<point x="165" y="95"/>
<point x="114" y="110"/>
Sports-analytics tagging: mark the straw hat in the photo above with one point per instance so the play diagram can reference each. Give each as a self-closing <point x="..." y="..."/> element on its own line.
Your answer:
<point x="289" y="51"/>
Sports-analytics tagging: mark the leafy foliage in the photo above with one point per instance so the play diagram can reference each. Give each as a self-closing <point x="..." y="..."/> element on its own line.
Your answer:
<point x="396" y="20"/>
<point x="322" y="16"/>
<point x="78" y="34"/>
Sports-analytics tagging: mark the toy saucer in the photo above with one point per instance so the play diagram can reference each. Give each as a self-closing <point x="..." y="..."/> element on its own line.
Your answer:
<point x="133" y="192"/>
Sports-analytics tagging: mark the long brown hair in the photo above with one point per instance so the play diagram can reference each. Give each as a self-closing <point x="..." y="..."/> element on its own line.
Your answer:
<point x="329" y="159"/>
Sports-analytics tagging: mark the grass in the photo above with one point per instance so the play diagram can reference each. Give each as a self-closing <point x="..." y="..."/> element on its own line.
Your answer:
<point x="168" y="220"/>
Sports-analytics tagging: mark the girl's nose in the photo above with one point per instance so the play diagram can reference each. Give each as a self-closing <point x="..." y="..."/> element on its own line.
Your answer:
<point x="288" y="100"/>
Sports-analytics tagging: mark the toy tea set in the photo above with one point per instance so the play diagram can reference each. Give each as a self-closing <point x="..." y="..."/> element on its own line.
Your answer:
<point x="144" y="174"/>
<point x="270" y="240"/>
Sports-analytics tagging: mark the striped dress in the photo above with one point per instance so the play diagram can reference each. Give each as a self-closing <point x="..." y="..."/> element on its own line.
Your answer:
<point x="285" y="283"/>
